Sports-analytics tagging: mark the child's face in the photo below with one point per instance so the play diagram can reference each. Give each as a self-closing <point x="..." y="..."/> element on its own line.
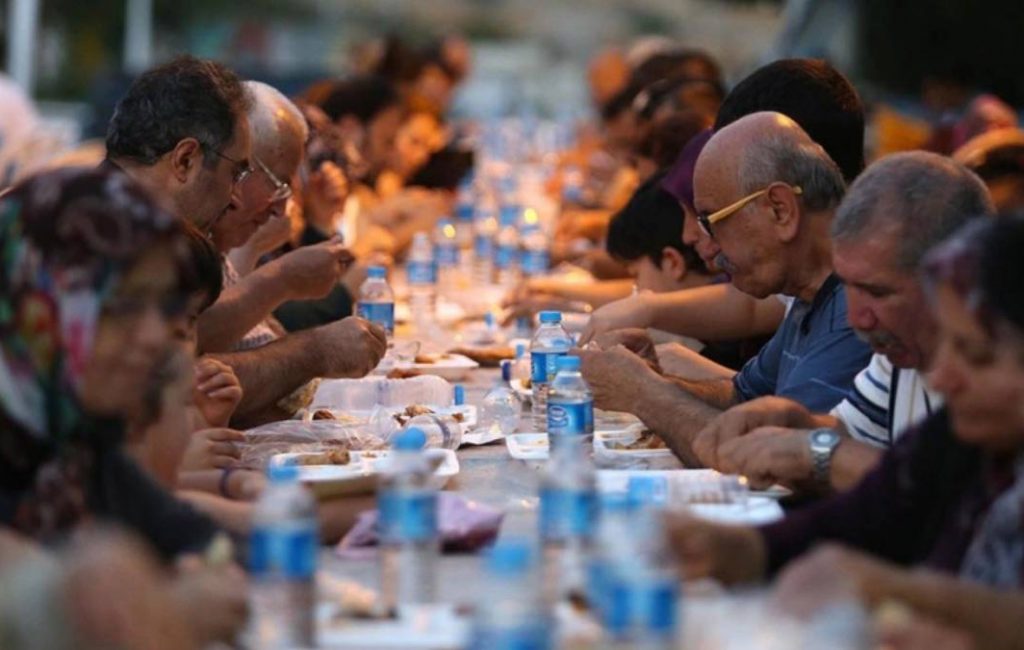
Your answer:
<point x="652" y="277"/>
<point x="183" y="329"/>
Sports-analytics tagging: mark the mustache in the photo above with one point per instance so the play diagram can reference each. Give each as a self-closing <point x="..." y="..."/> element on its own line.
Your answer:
<point x="877" y="339"/>
<point x="724" y="264"/>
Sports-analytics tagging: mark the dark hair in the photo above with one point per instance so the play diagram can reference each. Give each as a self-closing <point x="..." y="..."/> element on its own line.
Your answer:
<point x="186" y="98"/>
<point x="691" y="64"/>
<point x="814" y="95"/>
<point x="1001" y="267"/>
<point x="663" y="139"/>
<point x="651" y="220"/>
<point x="679" y="94"/>
<point x="362" y="97"/>
<point x="620" y="102"/>
<point x="202" y="270"/>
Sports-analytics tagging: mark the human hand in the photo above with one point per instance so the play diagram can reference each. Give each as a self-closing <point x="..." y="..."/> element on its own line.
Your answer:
<point x="830" y="574"/>
<point x="635" y="340"/>
<point x="525" y="301"/>
<point x="275" y="233"/>
<point x="324" y="197"/>
<point x="617" y="377"/>
<point x="350" y="347"/>
<point x="768" y="455"/>
<point x="897" y="628"/>
<point x="731" y="554"/>
<point x="217" y="391"/>
<point x="212" y="449"/>
<point x="632" y="312"/>
<point x="214" y="599"/>
<point x="744" y="418"/>
<point x="311" y="272"/>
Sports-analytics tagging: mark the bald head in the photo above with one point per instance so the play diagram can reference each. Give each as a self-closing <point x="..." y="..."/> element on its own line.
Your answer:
<point x="767" y="147"/>
<point x="279" y="130"/>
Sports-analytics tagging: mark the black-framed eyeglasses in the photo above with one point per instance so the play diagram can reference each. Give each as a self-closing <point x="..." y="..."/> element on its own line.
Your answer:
<point x="282" y="190"/>
<point x="242" y="168"/>
<point x="706" y="220"/>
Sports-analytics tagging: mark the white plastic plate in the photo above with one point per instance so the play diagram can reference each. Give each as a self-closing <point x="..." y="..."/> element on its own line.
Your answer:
<point x="360" y="475"/>
<point x="528" y="446"/>
<point x="453" y="367"/>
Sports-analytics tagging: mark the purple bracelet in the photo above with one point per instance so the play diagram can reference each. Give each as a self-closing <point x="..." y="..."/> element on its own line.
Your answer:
<point x="222" y="485"/>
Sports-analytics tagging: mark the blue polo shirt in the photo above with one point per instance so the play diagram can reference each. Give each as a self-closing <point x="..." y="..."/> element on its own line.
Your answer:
<point x="813" y="357"/>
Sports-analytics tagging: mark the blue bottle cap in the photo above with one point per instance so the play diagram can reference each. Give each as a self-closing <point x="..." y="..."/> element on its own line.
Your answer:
<point x="567" y="362"/>
<point x="376" y="272"/>
<point x="509" y="557"/>
<point x="506" y="370"/>
<point x="460" y="395"/>
<point x="411" y="439"/>
<point x="282" y="473"/>
<point x="647" y="490"/>
<point x="551" y="317"/>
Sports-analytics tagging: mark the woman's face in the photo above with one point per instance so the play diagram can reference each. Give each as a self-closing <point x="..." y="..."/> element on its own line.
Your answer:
<point x="381" y="135"/>
<point x="981" y="377"/>
<point x="132" y="336"/>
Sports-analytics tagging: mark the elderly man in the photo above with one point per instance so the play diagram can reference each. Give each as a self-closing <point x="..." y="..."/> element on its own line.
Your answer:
<point x="766" y="193"/>
<point x="896" y="211"/>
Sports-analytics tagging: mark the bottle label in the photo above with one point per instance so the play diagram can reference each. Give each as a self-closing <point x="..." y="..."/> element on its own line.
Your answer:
<point x="407" y="516"/>
<point x="528" y="636"/>
<point x="286" y="551"/>
<point x="447" y="256"/>
<point x="566" y="514"/>
<point x="506" y="257"/>
<point x="422" y="272"/>
<point x="483" y="247"/>
<point x="378" y="313"/>
<point x="535" y="262"/>
<point x="636" y="605"/>
<point x="570" y="418"/>
<point x="544" y="366"/>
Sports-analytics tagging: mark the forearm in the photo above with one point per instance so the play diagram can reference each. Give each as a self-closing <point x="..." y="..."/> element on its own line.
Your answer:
<point x="240" y="308"/>
<point x="718" y="394"/>
<point x="851" y="461"/>
<point x="595" y="294"/>
<point x="272" y="371"/>
<point x="679" y="361"/>
<point x="244" y="259"/>
<point x="713" y="313"/>
<point x="676" y="415"/>
<point x="992" y="617"/>
<point x="233" y="516"/>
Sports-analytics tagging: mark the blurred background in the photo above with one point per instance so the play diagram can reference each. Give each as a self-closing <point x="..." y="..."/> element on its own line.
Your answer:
<point x="921" y="58"/>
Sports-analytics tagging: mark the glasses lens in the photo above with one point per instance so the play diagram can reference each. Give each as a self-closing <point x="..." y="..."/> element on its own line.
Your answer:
<point x="705" y="225"/>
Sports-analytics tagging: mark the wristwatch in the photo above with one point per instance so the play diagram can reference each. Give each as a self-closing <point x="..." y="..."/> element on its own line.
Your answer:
<point x="823" y="444"/>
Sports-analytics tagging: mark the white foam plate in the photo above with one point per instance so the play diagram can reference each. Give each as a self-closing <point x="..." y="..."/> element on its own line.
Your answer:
<point x="453" y="367"/>
<point x="523" y="392"/>
<point x="360" y="475"/>
<point x="617" y="480"/>
<point x="468" y="411"/>
<point x="528" y="446"/>
<point x="427" y="627"/>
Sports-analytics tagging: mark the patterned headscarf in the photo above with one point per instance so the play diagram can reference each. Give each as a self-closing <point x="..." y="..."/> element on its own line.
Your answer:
<point x="66" y="238"/>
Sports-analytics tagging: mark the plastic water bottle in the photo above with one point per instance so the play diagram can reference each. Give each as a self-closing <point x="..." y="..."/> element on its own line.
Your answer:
<point x="506" y="254"/>
<point x="536" y="258"/>
<point x="521" y="366"/>
<point x="514" y="617"/>
<point x="407" y="508"/>
<point x="464" y="230"/>
<point x="422" y="273"/>
<point x="641" y="587"/>
<point x="501" y="406"/>
<point x="570" y="402"/>
<point x="485" y="228"/>
<point x="376" y="300"/>
<point x="446" y="252"/>
<point x="549" y="343"/>
<point x="568" y="509"/>
<point x="283" y="547"/>
<point x="612" y="541"/>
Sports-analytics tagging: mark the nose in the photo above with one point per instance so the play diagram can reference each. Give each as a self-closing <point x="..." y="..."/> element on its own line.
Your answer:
<point x="859" y="312"/>
<point x="945" y="375"/>
<point x="153" y="331"/>
<point x="707" y="248"/>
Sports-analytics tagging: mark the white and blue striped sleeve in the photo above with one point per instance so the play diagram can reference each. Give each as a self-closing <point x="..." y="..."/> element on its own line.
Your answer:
<point x="865" y="410"/>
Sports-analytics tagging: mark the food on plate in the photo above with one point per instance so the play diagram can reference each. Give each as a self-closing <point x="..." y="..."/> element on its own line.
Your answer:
<point x="330" y="415"/>
<point x="403" y="417"/>
<point x="325" y="457"/>
<point x="403" y="373"/>
<point x="527" y="383"/>
<point x="488" y="357"/>
<point x="648" y="440"/>
<point x="323" y="414"/>
<point x="426" y="358"/>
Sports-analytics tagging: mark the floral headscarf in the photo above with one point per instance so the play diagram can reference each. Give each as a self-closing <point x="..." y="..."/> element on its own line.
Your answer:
<point x="66" y="237"/>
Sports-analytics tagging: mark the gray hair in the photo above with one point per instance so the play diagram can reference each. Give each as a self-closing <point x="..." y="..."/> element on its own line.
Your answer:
<point x="927" y="196"/>
<point x="267" y="101"/>
<point x="779" y="156"/>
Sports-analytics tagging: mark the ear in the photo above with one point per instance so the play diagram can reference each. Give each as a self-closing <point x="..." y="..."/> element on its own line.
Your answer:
<point x="673" y="264"/>
<point x="785" y="212"/>
<point x="186" y="159"/>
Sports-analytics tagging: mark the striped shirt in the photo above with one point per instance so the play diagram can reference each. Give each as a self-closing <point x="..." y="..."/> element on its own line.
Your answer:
<point x="884" y="401"/>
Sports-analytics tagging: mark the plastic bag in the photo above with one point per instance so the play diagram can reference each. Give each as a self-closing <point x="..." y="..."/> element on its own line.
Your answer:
<point x="364" y="394"/>
<point x="263" y="442"/>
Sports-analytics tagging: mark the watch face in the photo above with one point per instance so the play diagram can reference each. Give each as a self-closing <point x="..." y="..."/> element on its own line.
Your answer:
<point x="824" y="437"/>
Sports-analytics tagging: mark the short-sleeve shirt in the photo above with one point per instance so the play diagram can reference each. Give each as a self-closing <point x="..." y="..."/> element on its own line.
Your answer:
<point x="885" y="401"/>
<point x="813" y="357"/>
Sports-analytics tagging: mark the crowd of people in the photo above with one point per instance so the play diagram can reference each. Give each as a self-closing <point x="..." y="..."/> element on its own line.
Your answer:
<point x="766" y="301"/>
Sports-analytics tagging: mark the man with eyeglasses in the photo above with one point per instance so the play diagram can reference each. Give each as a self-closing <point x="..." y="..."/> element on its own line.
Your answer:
<point x="181" y="131"/>
<point x="766" y="193"/>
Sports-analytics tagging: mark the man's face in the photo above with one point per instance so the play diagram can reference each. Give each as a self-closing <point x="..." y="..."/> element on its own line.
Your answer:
<point x="748" y="247"/>
<point x="258" y="202"/>
<point x="693" y="236"/>
<point x="215" y="190"/>
<point x="381" y="135"/>
<point x="885" y="302"/>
